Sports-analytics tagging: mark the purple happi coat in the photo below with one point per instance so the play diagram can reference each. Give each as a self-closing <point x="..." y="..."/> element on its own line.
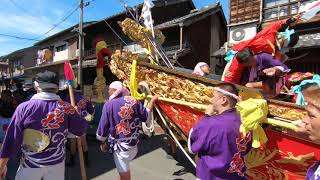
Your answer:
<point x="84" y="105"/>
<point x="120" y="122"/>
<point x="263" y="61"/>
<point x="314" y="172"/>
<point x="51" y="116"/>
<point x="216" y="139"/>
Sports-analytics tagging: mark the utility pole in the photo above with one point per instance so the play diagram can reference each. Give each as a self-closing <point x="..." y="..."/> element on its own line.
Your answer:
<point x="80" y="45"/>
<point x="79" y="146"/>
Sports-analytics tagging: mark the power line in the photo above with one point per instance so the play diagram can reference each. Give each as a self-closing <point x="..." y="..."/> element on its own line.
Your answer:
<point x="54" y="25"/>
<point x="22" y="8"/>
<point x="19" y="37"/>
<point x="60" y="22"/>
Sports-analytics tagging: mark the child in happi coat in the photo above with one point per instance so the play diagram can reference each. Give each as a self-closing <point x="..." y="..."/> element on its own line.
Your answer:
<point x="119" y="126"/>
<point x="46" y="120"/>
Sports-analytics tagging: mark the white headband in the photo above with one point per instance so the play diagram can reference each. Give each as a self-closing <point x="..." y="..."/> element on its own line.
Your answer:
<point x="227" y="93"/>
<point x="45" y="85"/>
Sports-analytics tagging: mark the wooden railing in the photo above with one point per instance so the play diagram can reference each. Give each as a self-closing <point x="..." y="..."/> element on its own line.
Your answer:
<point x="92" y="52"/>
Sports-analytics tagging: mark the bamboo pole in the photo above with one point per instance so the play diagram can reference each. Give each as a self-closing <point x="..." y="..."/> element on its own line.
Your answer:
<point x="282" y="124"/>
<point x="79" y="146"/>
<point x="194" y="105"/>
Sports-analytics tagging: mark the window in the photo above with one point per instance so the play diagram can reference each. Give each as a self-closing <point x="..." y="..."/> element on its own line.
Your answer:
<point x="277" y="9"/>
<point x="17" y="64"/>
<point x="61" y="48"/>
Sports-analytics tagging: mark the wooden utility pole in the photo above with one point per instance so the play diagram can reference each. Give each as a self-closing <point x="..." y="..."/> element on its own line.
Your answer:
<point x="81" y="159"/>
<point x="80" y="45"/>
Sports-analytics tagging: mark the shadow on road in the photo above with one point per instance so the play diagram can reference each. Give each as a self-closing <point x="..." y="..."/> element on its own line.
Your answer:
<point x="101" y="163"/>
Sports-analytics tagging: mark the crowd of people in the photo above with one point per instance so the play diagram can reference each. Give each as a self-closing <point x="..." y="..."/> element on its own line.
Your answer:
<point x="215" y="138"/>
<point x="42" y="119"/>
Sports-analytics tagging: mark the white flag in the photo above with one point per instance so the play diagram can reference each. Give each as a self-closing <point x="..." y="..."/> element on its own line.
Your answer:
<point x="146" y="13"/>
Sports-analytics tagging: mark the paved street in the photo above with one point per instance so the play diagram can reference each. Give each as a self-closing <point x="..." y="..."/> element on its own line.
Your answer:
<point x="150" y="164"/>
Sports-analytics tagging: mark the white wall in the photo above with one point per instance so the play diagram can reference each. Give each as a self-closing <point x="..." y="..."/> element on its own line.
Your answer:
<point x="61" y="55"/>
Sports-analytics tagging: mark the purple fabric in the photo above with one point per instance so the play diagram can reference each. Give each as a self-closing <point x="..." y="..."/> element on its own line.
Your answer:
<point x="264" y="61"/>
<point x="52" y="117"/>
<point x="84" y="105"/>
<point x="311" y="174"/>
<point x="120" y="122"/>
<point x="214" y="139"/>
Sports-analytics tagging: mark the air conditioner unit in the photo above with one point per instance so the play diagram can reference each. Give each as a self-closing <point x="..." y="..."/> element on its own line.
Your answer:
<point x="242" y="32"/>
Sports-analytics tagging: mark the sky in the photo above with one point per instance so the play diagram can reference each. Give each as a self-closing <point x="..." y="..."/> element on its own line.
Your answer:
<point x="34" y="18"/>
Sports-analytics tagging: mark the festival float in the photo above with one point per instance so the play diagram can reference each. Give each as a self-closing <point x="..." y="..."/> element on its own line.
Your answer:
<point x="278" y="152"/>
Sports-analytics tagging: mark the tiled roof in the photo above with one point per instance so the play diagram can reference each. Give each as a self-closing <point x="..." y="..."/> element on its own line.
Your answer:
<point x="85" y="24"/>
<point x="308" y="41"/>
<point x="204" y="11"/>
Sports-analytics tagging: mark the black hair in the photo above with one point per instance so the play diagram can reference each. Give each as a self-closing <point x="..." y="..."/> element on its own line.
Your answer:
<point x="243" y="55"/>
<point x="19" y="85"/>
<point x="48" y="77"/>
<point x="231" y="88"/>
<point x="6" y="93"/>
<point x="294" y="38"/>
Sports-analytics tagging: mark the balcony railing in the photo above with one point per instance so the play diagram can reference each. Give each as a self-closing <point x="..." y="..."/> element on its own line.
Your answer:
<point x="91" y="53"/>
<point x="282" y="11"/>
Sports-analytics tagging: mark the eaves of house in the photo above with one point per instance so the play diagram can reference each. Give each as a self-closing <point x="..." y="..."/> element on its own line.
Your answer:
<point x="193" y="17"/>
<point x="64" y="32"/>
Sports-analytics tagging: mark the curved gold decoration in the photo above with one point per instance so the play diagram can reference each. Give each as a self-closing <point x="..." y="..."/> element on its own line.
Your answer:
<point x="161" y="83"/>
<point x="171" y="86"/>
<point x="138" y="33"/>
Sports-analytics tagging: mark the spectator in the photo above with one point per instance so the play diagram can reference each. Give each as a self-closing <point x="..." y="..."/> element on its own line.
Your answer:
<point x="311" y="126"/>
<point x="201" y="69"/>
<point x="7" y="106"/>
<point x="19" y="94"/>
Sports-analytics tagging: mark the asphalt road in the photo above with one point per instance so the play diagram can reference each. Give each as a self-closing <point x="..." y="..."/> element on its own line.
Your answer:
<point x="151" y="163"/>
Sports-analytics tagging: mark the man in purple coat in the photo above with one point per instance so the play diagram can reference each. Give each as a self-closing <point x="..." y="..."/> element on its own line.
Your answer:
<point x="86" y="111"/>
<point x="44" y="114"/>
<point x="263" y="71"/>
<point x="216" y="138"/>
<point x="120" y="124"/>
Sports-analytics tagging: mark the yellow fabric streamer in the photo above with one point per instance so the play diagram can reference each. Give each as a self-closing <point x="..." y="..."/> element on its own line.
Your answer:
<point x="148" y="52"/>
<point x="253" y="112"/>
<point x="133" y="82"/>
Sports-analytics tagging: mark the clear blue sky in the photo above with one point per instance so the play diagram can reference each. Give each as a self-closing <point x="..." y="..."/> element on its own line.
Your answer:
<point x="33" y="18"/>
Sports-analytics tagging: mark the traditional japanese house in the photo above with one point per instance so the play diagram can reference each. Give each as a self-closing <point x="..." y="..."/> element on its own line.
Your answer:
<point x="13" y="65"/>
<point x="201" y="33"/>
<point x="110" y="31"/>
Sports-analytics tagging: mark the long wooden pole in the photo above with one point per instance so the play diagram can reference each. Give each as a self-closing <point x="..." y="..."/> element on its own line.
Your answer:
<point x="193" y="105"/>
<point x="81" y="159"/>
<point x="271" y="121"/>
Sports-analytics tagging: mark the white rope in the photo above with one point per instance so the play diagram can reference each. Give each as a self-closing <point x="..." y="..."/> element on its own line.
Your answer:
<point x="174" y="137"/>
<point x="145" y="128"/>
